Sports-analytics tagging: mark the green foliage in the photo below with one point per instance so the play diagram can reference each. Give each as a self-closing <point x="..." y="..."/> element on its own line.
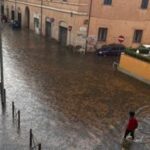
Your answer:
<point x="132" y="52"/>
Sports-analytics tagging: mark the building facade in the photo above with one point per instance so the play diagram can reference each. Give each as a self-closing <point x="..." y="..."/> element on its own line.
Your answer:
<point x="68" y="20"/>
<point x="63" y="20"/>
<point x="127" y="18"/>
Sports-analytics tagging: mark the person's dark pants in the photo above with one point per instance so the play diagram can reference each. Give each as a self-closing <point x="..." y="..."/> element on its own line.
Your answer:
<point x="129" y="132"/>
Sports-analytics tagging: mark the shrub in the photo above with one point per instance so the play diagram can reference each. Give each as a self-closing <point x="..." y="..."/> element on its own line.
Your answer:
<point x="132" y="52"/>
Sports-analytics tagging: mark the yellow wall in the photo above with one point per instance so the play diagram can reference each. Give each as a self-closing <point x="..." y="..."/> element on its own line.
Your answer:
<point x="135" y="67"/>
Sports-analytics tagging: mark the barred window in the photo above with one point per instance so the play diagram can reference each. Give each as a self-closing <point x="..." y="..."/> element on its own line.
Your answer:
<point x="107" y="2"/>
<point x="144" y="4"/>
<point x="102" y="34"/>
<point x="137" y="36"/>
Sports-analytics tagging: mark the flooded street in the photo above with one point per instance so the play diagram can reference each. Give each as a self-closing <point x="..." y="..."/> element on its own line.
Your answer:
<point x="71" y="101"/>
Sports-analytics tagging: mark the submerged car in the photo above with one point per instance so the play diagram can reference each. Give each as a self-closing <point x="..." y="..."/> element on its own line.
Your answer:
<point x="16" y="24"/>
<point x="111" y="49"/>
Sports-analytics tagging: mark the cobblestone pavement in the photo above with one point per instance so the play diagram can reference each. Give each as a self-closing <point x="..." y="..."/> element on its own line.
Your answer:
<point x="71" y="101"/>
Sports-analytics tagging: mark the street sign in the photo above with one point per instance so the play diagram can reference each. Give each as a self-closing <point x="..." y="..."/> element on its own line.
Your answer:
<point x="121" y="38"/>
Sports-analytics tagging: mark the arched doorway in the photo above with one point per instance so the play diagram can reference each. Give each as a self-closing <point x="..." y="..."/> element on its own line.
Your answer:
<point x="19" y="17"/>
<point x="2" y="9"/>
<point x="27" y="17"/>
<point x="63" y="33"/>
<point x="7" y="12"/>
<point x="48" y="28"/>
<point x="12" y="13"/>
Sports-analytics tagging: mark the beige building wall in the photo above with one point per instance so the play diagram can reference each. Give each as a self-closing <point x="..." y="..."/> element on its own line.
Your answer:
<point x="122" y="17"/>
<point x="71" y="14"/>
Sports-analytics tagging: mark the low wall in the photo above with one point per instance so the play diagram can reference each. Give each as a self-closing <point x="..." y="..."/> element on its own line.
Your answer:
<point x="135" y="68"/>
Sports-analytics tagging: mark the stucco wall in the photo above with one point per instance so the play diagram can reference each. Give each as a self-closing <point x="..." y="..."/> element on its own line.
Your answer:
<point x="120" y="10"/>
<point x="67" y="13"/>
<point x="121" y="27"/>
<point x="123" y="17"/>
<point x="135" y="67"/>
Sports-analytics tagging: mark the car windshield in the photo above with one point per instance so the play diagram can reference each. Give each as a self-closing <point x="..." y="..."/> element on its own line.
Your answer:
<point x="106" y="48"/>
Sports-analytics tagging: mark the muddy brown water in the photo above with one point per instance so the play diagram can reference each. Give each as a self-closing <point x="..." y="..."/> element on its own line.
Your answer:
<point x="71" y="101"/>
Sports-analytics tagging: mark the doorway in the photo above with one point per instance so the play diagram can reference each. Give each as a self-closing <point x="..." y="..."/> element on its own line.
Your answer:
<point x="27" y="17"/>
<point x="48" y="29"/>
<point x="19" y="18"/>
<point x="63" y="32"/>
<point x="12" y="15"/>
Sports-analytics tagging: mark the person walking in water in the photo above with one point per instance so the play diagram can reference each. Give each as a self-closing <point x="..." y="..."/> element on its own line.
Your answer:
<point x="131" y="126"/>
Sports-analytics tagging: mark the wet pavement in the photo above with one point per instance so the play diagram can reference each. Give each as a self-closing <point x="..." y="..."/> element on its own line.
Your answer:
<point x="71" y="101"/>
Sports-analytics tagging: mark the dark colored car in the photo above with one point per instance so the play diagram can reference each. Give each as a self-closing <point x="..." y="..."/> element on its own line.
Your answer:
<point x="111" y="49"/>
<point x="16" y="24"/>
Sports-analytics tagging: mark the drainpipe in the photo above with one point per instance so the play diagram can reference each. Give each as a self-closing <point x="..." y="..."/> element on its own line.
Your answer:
<point x="41" y="16"/>
<point x="15" y="10"/>
<point x="89" y="21"/>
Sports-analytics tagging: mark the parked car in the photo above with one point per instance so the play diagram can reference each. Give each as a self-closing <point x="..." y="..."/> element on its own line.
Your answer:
<point x="16" y="24"/>
<point x="111" y="49"/>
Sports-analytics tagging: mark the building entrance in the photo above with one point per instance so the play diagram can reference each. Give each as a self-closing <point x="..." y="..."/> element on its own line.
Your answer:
<point x="63" y="32"/>
<point x="48" y="29"/>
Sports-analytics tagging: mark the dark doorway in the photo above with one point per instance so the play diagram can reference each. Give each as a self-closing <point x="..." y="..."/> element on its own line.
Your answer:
<point x="7" y="12"/>
<point x="48" y="29"/>
<point x="27" y="18"/>
<point x="63" y="35"/>
<point x="19" y="18"/>
<point x="12" y="15"/>
<point x="2" y="9"/>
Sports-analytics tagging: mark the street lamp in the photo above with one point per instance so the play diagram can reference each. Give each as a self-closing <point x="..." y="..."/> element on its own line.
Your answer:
<point x="89" y="21"/>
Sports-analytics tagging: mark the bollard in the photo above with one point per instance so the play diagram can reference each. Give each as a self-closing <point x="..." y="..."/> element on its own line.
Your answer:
<point x="30" y="140"/>
<point x="18" y="119"/>
<point x="13" y="110"/>
<point x="39" y="146"/>
<point x="115" y="65"/>
<point x="4" y="96"/>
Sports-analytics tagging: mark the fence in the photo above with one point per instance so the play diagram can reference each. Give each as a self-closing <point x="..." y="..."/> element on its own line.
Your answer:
<point x="34" y="145"/>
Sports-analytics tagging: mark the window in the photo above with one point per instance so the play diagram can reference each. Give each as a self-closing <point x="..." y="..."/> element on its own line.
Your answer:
<point x="107" y="2"/>
<point x="137" y="36"/>
<point x="102" y="34"/>
<point x="144" y="4"/>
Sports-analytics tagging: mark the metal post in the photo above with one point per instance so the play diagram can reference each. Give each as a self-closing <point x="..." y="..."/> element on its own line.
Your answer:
<point x="41" y="16"/>
<point x="15" y="11"/>
<point x="18" y="119"/>
<point x="13" y="110"/>
<point x="39" y="146"/>
<point x="4" y="96"/>
<point x="89" y="21"/>
<point x="1" y="60"/>
<point x="30" y="140"/>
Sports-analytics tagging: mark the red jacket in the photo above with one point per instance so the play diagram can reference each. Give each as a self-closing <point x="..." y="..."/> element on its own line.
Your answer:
<point x="132" y="124"/>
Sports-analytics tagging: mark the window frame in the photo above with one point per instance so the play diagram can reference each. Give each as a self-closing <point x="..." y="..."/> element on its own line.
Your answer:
<point x="102" y="34"/>
<point x="136" y="38"/>
<point x="107" y="2"/>
<point x="144" y="4"/>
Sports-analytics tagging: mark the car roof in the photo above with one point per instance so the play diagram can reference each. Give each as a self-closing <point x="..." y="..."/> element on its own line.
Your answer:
<point x="113" y="45"/>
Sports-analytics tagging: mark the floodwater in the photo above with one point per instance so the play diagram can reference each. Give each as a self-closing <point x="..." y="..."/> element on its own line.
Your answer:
<point x="71" y="101"/>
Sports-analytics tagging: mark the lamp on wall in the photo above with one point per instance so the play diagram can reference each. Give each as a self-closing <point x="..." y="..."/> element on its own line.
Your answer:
<point x="70" y="28"/>
<point x="52" y="19"/>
